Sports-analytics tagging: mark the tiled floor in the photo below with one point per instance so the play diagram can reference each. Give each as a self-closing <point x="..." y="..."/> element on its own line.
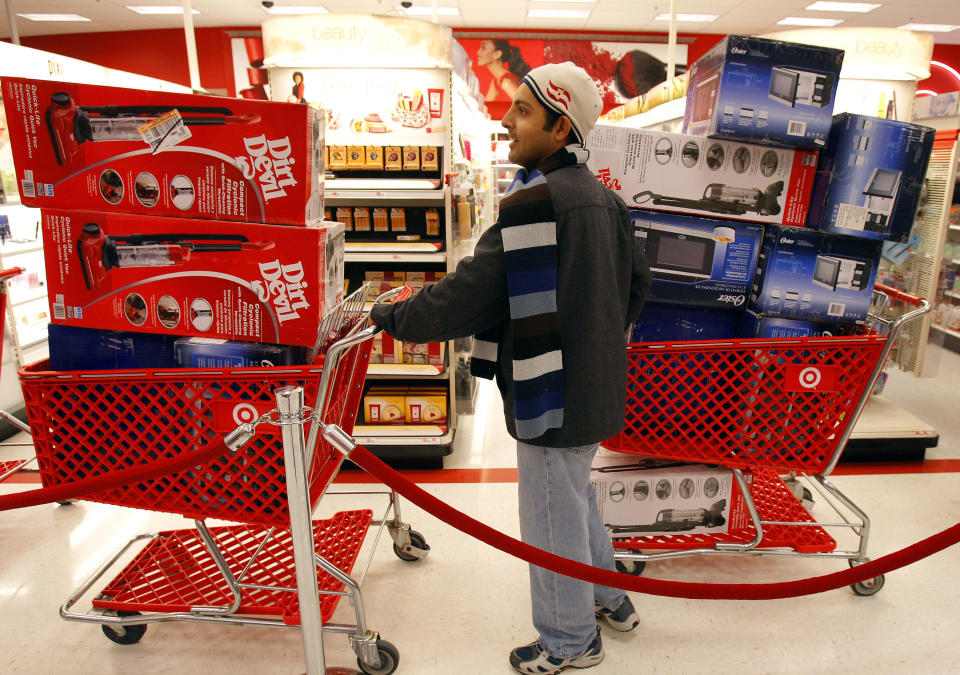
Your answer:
<point x="462" y="609"/>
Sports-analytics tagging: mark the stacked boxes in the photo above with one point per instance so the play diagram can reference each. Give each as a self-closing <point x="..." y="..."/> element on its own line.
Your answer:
<point x="392" y="405"/>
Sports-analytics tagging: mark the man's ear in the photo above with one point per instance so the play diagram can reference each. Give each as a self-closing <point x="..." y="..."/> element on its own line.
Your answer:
<point x="562" y="128"/>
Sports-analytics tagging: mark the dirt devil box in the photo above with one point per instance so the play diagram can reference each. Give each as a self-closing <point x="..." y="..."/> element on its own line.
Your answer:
<point x="165" y="154"/>
<point x="236" y="281"/>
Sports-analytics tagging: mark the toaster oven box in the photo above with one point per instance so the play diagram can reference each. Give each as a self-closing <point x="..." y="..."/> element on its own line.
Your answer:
<point x="192" y="278"/>
<point x="815" y="276"/>
<point x="869" y="180"/>
<point x="167" y="154"/>
<point x="765" y="91"/>
<point x="702" y="176"/>
<point x="676" y="323"/>
<point x="753" y="325"/>
<point x="698" y="261"/>
<point x="669" y="498"/>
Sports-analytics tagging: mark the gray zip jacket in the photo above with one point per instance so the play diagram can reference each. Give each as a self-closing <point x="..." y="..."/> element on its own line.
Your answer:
<point x="602" y="281"/>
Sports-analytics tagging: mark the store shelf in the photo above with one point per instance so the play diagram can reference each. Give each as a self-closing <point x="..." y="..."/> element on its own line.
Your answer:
<point x="389" y="370"/>
<point x="410" y="435"/>
<point x="945" y="330"/>
<point x="952" y="294"/>
<point x="383" y="188"/>
<point x="665" y="112"/>
<point x="955" y="228"/>
<point x="12" y="248"/>
<point x="33" y="294"/>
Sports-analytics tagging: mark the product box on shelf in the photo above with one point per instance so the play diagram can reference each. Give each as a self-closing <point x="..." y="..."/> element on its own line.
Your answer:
<point x="426" y="405"/>
<point x="74" y="348"/>
<point x="767" y="91"/>
<point x="677" y="323"/>
<point x="202" y="352"/>
<point x="805" y="274"/>
<point x="385" y="405"/>
<point x="702" y="176"/>
<point x="670" y="498"/>
<point x="698" y="261"/>
<point x="167" y="154"/>
<point x="869" y="179"/>
<point x="753" y="325"/>
<point x="235" y="281"/>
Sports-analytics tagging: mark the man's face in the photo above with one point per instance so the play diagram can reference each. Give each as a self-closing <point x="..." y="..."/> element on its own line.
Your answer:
<point x="524" y="121"/>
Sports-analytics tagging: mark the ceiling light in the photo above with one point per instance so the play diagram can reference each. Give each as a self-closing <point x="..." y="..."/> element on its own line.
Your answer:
<point x="808" y="21"/>
<point x="926" y="27"/>
<point x="159" y="9"/>
<point x="558" y="13"/>
<point x="54" y="17"/>
<point x="428" y="11"/>
<point x="841" y="7"/>
<point x="297" y="9"/>
<point x="698" y="18"/>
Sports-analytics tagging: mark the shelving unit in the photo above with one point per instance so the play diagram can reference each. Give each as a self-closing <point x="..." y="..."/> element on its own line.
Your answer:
<point x="425" y="96"/>
<point x="27" y="308"/>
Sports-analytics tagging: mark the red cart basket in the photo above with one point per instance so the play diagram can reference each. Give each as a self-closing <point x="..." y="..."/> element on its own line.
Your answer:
<point x="272" y="567"/>
<point x="762" y="407"/>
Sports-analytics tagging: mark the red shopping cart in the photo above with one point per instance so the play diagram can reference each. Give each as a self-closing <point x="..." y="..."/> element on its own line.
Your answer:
<point x="763" y="408"/>
<point x="10" y="466"/>
<point x="275" y="567"/>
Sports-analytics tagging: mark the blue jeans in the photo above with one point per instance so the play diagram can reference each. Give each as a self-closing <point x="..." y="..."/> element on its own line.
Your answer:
<point x="558" y="513"/>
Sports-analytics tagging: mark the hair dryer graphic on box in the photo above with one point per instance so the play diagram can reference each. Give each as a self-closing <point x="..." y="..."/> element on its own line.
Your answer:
<point x="71" y="125"/>
<point x="100" y="253"/>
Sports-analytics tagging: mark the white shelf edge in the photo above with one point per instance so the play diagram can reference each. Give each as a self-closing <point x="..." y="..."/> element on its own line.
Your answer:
<point x="955" y="228"/>
<point x="945" y="330"/>
<point x="443" y="436"/>
<point x="41" y="293"/>
<point x="952" y="294"/>
<point x="10" y="252"/>
<point x="405" y="370"/>
<point x="395" y="257"/>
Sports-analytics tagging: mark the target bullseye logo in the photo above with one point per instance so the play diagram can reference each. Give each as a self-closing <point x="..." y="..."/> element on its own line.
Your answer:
<point x="244" y="413"/>
<point x="810" y="377"/>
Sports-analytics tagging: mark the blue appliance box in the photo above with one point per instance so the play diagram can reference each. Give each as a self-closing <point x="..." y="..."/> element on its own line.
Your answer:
<point x="815" y="276"/>
<point x="766" y="91"/>
<point x="869" y="180"/>
<point x="199" y="352"/>
<point x="707" y="262"/>
<point x="672" y="323"/>
<point x="74" y="348"/>
<point x="753" y="325"/>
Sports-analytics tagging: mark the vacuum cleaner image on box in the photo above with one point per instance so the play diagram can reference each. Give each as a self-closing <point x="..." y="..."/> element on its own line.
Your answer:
<point x="722" y="199"/>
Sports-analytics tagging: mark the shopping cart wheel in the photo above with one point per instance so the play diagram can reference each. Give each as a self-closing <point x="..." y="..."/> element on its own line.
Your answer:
<point x="868" y="587"/>
<point x="389" y="658"/>
<point x="416" y="541"/>
<point x="634" y="567"/>
<point x="130" y="635"/>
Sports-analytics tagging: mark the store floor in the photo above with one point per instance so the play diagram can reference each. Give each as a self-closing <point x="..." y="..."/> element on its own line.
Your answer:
<point x="460" y="610"/>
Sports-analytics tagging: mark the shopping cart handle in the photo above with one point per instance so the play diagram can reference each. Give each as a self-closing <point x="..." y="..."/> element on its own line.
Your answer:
<point x="895" y="294"/>
<point x="395" y="294"/>
<point x="10" y="273"/>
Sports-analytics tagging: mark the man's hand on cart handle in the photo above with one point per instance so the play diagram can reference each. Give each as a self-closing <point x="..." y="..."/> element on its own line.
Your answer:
<point x="394" y="295"/>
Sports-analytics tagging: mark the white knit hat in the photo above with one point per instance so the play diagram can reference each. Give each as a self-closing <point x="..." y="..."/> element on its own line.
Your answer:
<point x="567" y="89"/>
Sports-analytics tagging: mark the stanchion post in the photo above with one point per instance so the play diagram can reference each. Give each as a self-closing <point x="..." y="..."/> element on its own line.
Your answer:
<point x="290" y="405"/>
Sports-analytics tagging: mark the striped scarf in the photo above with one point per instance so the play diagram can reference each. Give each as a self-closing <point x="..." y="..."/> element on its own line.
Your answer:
<point x="529" y="229"/>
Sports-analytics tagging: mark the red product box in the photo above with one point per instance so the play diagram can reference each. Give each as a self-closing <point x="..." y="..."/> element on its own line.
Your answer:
<point x="235" y="281"/>
<point x="165" y="154"/>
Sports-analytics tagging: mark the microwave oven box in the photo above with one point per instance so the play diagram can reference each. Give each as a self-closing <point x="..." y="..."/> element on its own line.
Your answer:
<point x="192" y="278"/>
<point x="869" y="180"/>
<point x="698" y="261"/>
<point x="674" y="499"/>
<point x="815" y="276"/>
<point x="765" y="91"/>
<point x="97" y="148"/>
<point x="753" y="325"/>
<point x="702" y="176"/>
<point x="677" y="323"/>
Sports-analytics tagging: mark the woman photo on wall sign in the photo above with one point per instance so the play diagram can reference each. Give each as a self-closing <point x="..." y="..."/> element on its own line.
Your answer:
<point x="296" y="93"/>
<point x="506" y="66"/>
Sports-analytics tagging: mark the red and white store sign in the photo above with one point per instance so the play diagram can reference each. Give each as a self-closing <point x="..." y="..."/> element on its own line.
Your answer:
<point x="165" y="154"/>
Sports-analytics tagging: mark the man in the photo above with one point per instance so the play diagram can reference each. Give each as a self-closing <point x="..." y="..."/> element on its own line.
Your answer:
<point x="549" y="293"/>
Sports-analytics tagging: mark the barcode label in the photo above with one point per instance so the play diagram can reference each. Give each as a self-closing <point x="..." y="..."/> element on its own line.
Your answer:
<point x="796" y="128"/>
<point x="165" y="131"/>
<point x="27" y="188"/>
<point x="836" y="309"/>
<point x="59" y="311"/>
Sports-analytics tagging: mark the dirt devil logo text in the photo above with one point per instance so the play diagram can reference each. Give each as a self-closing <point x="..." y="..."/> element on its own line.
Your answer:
<point x="283" y="286"/>
<point x="270" y="162"/>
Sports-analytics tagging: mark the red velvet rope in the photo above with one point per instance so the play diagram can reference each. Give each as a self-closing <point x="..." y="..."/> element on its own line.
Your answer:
<point x="135" y="474"/>
<point x="674" y="589"/>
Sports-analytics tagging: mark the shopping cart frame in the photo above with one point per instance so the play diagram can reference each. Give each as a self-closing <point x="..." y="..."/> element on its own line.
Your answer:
<point x="852" y="518"/>
<point x="7" y="469"/>
<point x="299" y="452"/>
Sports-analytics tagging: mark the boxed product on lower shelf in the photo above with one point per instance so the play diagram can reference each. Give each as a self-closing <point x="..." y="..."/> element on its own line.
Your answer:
<point x="671" y="323"/>
<point x="234" y="281"/>
<point x="385" y="405"/>
<point x="869" y="179"/>
<point x="637" y="496"/>
<point x="398" y="405"/>
<point x="702" y="176"/>
<point x="753" y="325"/>
<point x="167" y="154"/>
<point x="696" y="260"/>
<point x="815" y="276"/>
